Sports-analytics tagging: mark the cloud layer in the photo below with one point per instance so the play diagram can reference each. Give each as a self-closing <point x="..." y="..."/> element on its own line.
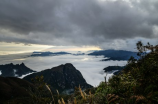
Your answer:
<point x="90" y="66"/>
<point x="78" y="22"/>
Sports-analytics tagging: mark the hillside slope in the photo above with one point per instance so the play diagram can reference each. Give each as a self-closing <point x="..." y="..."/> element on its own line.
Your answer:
<point x="12" y="88"/>
<point x="64" y="78"/>
<point x="136" y="84"/>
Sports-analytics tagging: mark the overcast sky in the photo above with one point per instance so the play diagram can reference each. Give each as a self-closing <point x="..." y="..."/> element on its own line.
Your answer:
<point x="101" y="24"/>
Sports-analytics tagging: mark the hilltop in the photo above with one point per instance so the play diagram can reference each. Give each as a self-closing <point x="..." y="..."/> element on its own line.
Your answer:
<point x="11" y="70"/>
<point x="64" y="78"/>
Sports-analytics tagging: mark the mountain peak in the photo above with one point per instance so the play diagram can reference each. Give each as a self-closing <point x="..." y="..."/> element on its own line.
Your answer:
<point x="62" y="67"/>
<point x="69" y="64"/>
<point x="22" y="64"/>
<point x="63" y="77"/>
<point x="11" y="64"/>
<point x="11" y="70"/>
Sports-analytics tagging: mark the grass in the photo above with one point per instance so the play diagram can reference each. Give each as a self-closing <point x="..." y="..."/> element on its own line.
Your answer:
<point x="136" y="84"/>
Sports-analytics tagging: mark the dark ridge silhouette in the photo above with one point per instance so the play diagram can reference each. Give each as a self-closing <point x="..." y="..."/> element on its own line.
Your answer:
<point x="48" y="53"/>
<point x="11" y="70"/>
<point x="64" y="78"/>
<point x="113" y="69"/>
<point x="12" y="88"/>
<point x="115" y="54"/>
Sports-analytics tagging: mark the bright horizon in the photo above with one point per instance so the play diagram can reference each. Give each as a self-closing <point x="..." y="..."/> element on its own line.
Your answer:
<point x="14" y="48"/>
<point x="76" y="25"/>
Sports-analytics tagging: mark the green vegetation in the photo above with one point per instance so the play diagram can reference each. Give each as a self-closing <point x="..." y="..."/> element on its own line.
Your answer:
<point x="136" y="84"/>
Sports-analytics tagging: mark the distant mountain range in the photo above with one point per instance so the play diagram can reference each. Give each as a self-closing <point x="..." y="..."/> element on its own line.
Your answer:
<point x="64" y="78"/>
<point x="110" y="54"/>
<point x="115" y="54"/>
<point x="11" y="70"/>
<point x="48" y="53"/>
<point x="79" y="53"/>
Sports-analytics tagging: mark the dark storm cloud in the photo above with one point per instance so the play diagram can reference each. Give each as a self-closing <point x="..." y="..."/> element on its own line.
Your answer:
<point x="77" y="22"/>
<point x="27" y="15"/>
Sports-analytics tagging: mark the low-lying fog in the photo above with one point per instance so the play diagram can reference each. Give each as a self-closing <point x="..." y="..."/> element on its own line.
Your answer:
<point x="90" y="66"/>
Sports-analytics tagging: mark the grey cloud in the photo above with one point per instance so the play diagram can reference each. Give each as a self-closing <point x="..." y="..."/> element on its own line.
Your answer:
<point x="26" y="15"/>
<point x="77" y="22"/>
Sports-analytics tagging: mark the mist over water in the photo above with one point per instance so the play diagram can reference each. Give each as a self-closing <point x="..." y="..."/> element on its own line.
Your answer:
<point x="90" y="66"/>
